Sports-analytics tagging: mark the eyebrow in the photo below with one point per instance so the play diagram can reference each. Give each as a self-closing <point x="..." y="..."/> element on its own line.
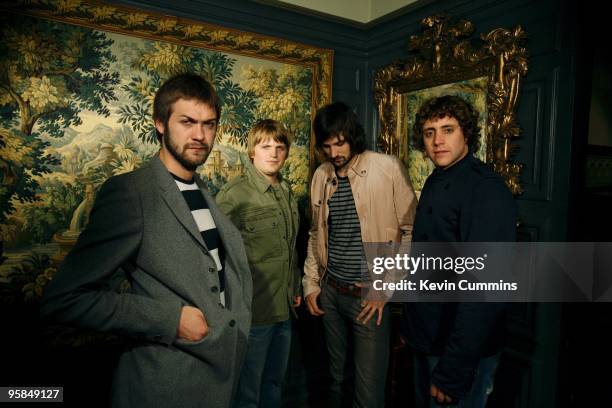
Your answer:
<point x="442" y="127"/>
<point x="335" y="143"/>
<point x="192" y="120"/>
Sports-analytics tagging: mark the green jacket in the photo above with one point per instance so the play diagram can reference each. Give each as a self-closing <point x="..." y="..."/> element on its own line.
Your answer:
<point x="251" y="203"/>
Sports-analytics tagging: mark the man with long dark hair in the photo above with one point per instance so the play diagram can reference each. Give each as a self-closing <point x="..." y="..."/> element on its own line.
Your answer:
<point x="357" y="196"/>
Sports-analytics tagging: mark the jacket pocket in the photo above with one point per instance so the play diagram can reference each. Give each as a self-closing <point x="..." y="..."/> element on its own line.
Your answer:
<point x="260" y="232"/>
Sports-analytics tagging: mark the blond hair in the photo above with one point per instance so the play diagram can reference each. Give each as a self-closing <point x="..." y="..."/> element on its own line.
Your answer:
<point x="267" y="129"/>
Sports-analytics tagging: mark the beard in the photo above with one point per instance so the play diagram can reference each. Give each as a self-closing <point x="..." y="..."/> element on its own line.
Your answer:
<point x="341" y="161"/>
<point x="186" y="162"/>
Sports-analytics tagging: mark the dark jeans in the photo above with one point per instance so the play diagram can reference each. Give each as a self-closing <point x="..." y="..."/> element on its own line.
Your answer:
<point x="265" y="365"/>
<point x="477" y="398"/>
<point x="370" y="343"/>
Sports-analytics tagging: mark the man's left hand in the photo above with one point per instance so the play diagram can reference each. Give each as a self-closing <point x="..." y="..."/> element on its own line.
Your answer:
<point x="440" y="396"/>
<point x="369" y="308"/>
<point x="297" y="301"/>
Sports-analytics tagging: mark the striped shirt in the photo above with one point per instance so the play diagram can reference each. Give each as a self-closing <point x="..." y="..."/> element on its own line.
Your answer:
<point x="346" y="259"/>
<point x="206" y="225"/>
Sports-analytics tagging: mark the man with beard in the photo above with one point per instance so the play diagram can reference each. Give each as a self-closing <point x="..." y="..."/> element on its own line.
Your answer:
<point x="187" y="309"/>
<point x="356" y="196"/>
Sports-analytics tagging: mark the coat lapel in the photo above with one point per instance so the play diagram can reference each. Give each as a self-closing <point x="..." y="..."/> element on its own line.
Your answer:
<point x="175" y="201"/>
<point x="224" y="226"/>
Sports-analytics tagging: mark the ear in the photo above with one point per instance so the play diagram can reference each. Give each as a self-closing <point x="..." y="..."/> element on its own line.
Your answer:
<point x="160" y="126"/>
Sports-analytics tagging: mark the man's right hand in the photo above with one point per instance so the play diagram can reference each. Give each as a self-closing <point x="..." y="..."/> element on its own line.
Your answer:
<point x="192" y="325"/>
<point x="311" y="303"/>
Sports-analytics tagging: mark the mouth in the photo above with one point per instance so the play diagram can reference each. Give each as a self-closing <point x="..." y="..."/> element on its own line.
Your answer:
<point x="198" y="148"/>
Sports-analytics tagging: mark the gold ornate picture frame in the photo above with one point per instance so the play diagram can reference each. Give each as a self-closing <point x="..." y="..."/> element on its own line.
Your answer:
<point x="77" y="81"/>
<point x="487" y="72"/>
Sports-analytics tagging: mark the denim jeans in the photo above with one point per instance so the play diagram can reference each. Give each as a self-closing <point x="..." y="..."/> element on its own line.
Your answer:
<point x="477" y="398"/>
<point x="265" y="365"/>
<point x="370" y="345"/>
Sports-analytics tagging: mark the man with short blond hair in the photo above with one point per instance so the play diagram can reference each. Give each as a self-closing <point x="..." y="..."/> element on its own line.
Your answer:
<point x="263" y="207"/>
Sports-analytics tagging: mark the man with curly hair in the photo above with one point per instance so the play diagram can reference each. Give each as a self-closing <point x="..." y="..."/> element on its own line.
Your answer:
<point x="457" y="345"/>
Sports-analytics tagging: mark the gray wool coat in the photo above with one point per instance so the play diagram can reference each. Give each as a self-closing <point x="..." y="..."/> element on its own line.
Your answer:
<point x="141" y="224"/>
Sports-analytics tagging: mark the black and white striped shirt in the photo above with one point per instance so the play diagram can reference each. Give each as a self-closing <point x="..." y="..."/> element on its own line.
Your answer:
<point x="346" y="259"/>
<point x="206" y="225"/>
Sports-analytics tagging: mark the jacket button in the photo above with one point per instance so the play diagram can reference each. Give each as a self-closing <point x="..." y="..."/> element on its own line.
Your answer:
<point x="232" y="323"/>
<point x="211" y="269"/>
<point x="214" y="289"/>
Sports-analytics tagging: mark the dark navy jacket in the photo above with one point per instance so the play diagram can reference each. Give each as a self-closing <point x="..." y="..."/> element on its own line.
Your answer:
<point x="468" y="202"/>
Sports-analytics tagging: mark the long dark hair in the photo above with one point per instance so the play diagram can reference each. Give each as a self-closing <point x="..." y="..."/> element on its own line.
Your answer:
<point x="338" y="119"/>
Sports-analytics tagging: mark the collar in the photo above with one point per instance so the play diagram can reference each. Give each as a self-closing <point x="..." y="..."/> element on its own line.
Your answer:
<point x="182" y="180"/>
<point x="358" y="166"/>
<point x="455" y="169"/>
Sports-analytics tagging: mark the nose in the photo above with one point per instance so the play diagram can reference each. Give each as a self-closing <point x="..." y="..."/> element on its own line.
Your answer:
<point x="198" y="133"/>
<point x="438" y="139"/>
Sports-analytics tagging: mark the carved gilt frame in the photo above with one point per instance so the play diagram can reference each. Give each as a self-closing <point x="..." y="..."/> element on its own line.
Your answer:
<point x="443" y="53"/>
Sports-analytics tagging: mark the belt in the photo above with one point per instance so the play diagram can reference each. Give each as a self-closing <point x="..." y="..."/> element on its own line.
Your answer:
<point x="343" y="288"/>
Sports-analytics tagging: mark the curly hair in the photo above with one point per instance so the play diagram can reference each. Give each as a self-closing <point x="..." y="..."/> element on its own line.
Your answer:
<point x="339" y="119"/>
<point x="454" y="107"/>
